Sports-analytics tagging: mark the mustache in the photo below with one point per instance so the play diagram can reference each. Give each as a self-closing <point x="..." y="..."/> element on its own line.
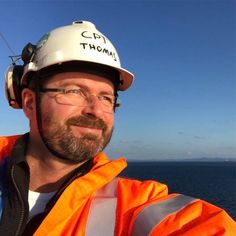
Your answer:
<point x="86" y="121"/>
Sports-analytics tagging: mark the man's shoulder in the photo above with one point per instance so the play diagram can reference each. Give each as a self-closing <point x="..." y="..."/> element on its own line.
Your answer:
<point x="149" y="189"/>
<point x="6" y="144"/>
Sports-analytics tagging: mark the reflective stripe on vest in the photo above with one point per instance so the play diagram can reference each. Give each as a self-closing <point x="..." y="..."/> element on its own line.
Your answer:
<point x="102" y="214"/>
<point x="153" y="214"/>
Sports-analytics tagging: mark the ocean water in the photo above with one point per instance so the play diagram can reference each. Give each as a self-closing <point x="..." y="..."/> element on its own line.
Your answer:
<point x="214" y="182"/>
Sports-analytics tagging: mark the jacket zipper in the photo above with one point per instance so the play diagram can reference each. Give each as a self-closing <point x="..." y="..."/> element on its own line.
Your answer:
<point x="22" y="212"/>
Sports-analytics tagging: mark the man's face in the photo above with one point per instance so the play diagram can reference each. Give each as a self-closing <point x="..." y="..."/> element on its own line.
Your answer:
<point x="77" y="131"/>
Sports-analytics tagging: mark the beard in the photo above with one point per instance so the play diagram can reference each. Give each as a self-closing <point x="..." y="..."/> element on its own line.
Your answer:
<point x="61" y="141"/>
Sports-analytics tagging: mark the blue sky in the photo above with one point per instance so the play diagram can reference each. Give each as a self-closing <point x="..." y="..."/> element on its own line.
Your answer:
<point x="183" y="55"/>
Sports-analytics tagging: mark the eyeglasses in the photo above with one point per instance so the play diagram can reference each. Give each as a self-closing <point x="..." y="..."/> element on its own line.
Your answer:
<point x="80" y="97"/>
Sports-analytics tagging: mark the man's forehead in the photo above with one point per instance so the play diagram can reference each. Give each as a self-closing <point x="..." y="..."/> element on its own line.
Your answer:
<point x="78" y="78"/>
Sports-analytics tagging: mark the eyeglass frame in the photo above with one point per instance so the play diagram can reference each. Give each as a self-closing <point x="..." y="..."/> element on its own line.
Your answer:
<point x="85" y="95"/>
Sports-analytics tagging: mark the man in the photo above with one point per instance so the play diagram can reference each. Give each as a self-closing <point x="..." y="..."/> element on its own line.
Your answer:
<point x="56" y="180"/>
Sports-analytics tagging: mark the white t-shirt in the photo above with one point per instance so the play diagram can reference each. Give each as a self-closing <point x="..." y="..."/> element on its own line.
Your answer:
<point x="37" y="202"/>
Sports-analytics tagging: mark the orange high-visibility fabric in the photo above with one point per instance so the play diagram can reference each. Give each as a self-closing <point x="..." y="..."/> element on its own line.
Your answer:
<point x="132" y="194"/>
<point x="6" y="144"/>
<point x="198" y="218"/>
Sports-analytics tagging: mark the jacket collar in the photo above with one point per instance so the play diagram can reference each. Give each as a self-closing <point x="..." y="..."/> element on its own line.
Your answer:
<point x="19" y="149"/>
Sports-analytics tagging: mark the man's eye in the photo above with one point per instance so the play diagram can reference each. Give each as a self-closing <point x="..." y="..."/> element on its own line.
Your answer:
<point x="74" y="91"/>
<point x="107" y="99"/>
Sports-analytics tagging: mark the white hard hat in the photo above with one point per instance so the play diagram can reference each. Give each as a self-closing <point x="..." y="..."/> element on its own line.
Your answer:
<point x="80" y="42"/>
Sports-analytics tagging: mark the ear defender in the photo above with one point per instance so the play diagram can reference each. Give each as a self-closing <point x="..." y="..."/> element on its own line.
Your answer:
<point x="13" y="87"/>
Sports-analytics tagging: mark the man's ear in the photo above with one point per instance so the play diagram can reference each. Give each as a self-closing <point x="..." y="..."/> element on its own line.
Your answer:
<point x="28" y="102"/>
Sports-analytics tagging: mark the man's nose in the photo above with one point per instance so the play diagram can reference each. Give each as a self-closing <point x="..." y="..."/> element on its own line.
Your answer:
<point x="93" y="107"/>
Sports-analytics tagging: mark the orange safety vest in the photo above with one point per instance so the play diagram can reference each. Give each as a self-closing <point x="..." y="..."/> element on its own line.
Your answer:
<point x="99" y="203"/>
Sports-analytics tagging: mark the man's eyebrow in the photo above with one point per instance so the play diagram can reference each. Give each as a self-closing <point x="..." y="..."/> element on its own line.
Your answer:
<point x="107" y="93"/>
<point x="86" y="88"/>
<point x="68" y="83"/>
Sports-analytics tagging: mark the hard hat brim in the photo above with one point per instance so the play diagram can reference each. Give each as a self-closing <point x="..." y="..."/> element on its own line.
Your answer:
<point x="126" y="78"/>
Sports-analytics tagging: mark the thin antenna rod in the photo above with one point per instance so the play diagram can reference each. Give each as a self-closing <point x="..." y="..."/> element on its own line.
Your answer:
<point x="8" y="45"/>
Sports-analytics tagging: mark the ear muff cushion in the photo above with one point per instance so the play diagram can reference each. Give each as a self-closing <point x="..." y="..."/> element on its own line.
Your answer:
<point x="12" y="85"/>
<point x="17" y="88"/>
